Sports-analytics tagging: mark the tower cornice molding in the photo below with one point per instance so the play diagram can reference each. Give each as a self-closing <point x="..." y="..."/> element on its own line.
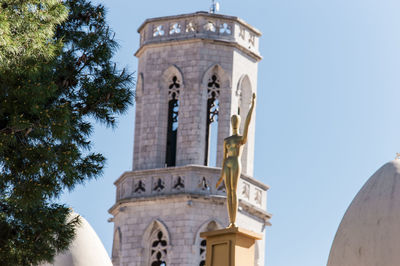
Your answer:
<point x="245" y="207"/>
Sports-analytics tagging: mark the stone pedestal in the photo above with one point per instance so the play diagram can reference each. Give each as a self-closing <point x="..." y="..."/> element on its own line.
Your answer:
<point x="230" y="247"/>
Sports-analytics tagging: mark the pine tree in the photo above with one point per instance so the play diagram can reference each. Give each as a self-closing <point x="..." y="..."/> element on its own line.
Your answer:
<point x="27" y="29"/>
<point x="47" y="108"/>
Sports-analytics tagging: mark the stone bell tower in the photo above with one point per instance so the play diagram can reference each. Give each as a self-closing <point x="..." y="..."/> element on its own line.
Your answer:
<point x="195" y="71"/>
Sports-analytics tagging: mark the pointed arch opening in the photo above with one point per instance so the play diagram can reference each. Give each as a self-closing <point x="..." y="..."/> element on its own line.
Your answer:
<point x="213" y="93"/>
<point x="158" y="249"/>
<point x="156" y="242"/>
<point x="173" y="114"/>
<point x="116" y="246"/>
<point x="216" y="89"/>
<point x="139" y="85"/>
<point x="244" y="94"/>
<point x="172" y="85"/>
<point x="200" y="243"/>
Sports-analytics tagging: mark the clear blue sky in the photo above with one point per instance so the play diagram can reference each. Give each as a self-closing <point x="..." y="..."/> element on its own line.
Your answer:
<point x="327" y="114"/>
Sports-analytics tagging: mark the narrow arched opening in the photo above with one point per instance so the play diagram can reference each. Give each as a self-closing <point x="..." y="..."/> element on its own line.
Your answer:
<point x="213" y="92"/>
<point x="158" y="249"/>
<point x="244" y="94"/>
<point x="202" y="243"/>
<point x="156" y="241"/>
<point x="116" y="245"/>
<point x="172" y="128"/>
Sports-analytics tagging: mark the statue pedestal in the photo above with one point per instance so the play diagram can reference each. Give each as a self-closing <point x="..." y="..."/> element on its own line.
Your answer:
<point x="230" y="247"/>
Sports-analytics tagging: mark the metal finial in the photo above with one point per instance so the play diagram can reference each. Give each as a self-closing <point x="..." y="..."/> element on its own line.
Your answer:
<point x="214" y="7"/>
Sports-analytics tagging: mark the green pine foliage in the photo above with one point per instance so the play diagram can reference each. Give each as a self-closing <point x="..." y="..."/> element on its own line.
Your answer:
<point x="48" y="102"/>
<point x="27" y="29"/>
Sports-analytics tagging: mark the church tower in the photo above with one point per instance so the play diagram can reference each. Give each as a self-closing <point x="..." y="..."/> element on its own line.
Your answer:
<point x="195" y="71"/>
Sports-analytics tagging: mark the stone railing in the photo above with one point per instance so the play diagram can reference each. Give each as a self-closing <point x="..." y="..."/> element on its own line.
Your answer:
<point x="199" y="25"/>
<point x="192" y="179"/>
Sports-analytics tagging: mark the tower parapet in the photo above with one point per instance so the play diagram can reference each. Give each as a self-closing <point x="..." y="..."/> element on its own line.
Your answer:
<point x="229" y="30"/>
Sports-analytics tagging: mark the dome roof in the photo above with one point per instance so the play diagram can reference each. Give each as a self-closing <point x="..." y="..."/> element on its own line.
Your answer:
<point x="86" y="249"/>
<point x="369" y="234"/>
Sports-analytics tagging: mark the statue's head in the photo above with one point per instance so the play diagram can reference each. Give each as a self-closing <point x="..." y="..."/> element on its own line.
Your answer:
<point x="235" y="120"/>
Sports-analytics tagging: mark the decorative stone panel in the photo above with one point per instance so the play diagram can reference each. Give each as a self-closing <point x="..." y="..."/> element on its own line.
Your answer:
<point x="191" y="179"/>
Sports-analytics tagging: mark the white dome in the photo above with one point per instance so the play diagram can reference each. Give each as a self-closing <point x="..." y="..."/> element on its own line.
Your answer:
<point x="85" y="250"/>
<point x="369" y="234"/>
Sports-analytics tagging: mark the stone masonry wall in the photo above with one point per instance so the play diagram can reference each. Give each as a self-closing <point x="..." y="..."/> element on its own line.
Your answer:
<point x="182" y="217"/>
<point x="195" y="62"/>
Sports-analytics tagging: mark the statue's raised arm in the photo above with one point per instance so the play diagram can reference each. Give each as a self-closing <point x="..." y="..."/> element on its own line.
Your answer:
<point x="248" y="119"/>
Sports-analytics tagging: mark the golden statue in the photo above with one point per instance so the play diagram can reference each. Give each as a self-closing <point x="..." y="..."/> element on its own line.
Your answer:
<point x="231" y="165"/>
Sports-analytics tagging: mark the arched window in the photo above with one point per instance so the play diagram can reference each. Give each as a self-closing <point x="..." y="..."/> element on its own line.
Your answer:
<point x="202" y="243"/>
<point x="139" y="85"/>
<point x="158" y="248"/>
<point x="156" y="244"/>
<point x="243" y="93"/>
<point x="213" y="92"/>
<point x="203" y="247"/>
<point x="116" y="246"/>
<point x="173" y="109"/>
